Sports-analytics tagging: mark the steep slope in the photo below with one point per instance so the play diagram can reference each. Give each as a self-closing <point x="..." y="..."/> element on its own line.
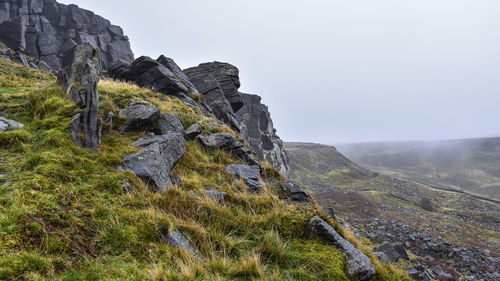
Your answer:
<point x="470" y="165"/>
<point x="49" y="31"/>
<point x="67" y="214"/>
<point x="423" y="219"/>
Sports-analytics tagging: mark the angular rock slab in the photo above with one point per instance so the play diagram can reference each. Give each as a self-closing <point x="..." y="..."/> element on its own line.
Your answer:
<point x="8" y="124"/>
<point x="229" y="143"/>
<point x="359" y="265"/>
<point x="249" y="174"/>
<point x="139" y="117"/>
<point x="79" y="81"/>
<point x="156" y="158"/>
<point x="387" y="249"/>
<point x="170" y="123"/>
<point x="295" y="192"/>
<point x="177" y="239"/>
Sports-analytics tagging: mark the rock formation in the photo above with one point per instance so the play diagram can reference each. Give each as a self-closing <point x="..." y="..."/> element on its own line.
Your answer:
<point x="229" y="143"/>
<point x="258" y="130"/>
<point x="296" y="194"/>
<point x="49" y="31"/>
<point x="157" y="156"/>
<point x="79" y="81"/>
<point x="359" y="265"/>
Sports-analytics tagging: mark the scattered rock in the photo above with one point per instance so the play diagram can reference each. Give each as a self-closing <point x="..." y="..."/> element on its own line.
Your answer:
<point x="388" y="250"/>
<point x="401" y="250"/>
<point x="295" y="192"/>
<point x="330" y="212"/>
<point x="139" y="117"/>
<point x="177" y="239"/>
<point x="359" y="265"/>
<point x="8" y="124"/>
<point x="155" y="159"/>
<point x="126" y="187"/>
<point x="228" y="142"/>
<point x="249" y="174"/>
<point x="79" y="81"/>
<point x="215" y="194"/>
<point x="193" y="131"/>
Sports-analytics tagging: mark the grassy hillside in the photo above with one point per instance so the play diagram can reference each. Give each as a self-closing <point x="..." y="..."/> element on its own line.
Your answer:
<point x="367" y="195"/>
<point x="471" y="165"/>
<point x="64" y="216"/>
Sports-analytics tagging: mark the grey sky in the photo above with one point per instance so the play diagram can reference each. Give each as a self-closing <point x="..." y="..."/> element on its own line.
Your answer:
<point x="336" y="71"/>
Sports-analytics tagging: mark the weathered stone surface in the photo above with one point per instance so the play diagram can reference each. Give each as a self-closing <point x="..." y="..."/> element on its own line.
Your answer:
<point x="258" y="130"/>
<point x="79" y="81"/>
<point x="388" y="250"/>
<point x="170" y="123"/>
<point x="177" y="71"/>
<point x="176" y="180"/>
<point x="359" y="265"/>
<point x="401" y="250"/>
<point x="155" y="159"/>
<point x="49" y="31"/>
<point x="229" y="143"/>
<point x="176" y="238"/>
<point x="8" y="124"/>
<point x="209" y="87"/>
<point x="296" y="194"/>
<point x="193" y="131"/>
<point x="139" y="117"/>
<point x="227" y="78"/>
<point x="249" y="174"/>
<point x="215" y="194"/>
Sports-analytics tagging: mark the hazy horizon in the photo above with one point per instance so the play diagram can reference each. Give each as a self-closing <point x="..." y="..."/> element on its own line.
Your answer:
<point x="339" y="72"/>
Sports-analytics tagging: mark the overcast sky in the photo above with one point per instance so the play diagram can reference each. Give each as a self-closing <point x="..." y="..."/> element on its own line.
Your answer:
<point x="334" y="71"/>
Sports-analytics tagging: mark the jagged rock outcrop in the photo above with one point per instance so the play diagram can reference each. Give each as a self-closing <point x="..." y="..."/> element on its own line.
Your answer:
<point x="359" y="265"/>
<point x="8" y="124"/>
<point x="170" y="123"/>
<point x="15" y="56"/>
<point x="229" y="143"/>
<point x="193" y="131"/>
<point x="49" y="31"/>
<point x="388" y="250"/>
<point x="249" y="174"/>
<point x="79" y="80"/>
<point x="155" y="159"/>
<point x="295" y="193"/>
<point x="258" y="130"/>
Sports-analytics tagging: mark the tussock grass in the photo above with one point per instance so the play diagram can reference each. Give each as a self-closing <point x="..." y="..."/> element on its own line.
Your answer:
<point x="63" y="215"/>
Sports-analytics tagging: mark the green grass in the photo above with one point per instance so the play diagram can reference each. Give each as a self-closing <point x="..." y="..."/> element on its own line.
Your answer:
<point x="63" y="215"/>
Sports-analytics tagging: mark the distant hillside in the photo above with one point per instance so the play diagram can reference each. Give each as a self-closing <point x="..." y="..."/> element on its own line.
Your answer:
<point x="386" y="207"/>
<point x="471" y="165"/>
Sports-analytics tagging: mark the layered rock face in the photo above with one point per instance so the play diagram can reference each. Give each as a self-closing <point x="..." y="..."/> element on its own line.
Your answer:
<point x="50" y="32"/>
<point x="257" y="128"/>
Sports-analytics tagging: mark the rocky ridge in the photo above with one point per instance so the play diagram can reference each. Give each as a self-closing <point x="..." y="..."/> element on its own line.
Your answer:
<point x="50" y="31"/>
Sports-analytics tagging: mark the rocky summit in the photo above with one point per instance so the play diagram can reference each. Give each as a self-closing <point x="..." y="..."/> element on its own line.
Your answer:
<point x="50" y="32"/>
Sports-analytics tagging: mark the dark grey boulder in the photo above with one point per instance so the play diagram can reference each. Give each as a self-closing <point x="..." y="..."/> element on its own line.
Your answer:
<point x="229" y="143"/>
<point x="177" y="239"/>
<point x="8" y="124"/>
<point x="388" y="250"/>
<point x="359" y="265"/>
<point x="296" y="194"/>
<point x="193" y="131"/>
<point x="215" y="194"/>
<point x="170" y="123"/>
<point x="49" y="31"/>
<point x="401" y="250"/>
<point x="330" y="212"/>
<point x="382" y="257"/>
<point x="156" y="158"/>
<point x="79" y="81"/>
<point x="177" y="72"/>
<point x="258" y="130"/>
<point x="249" y="174"/>
<point x="139" y="117"/>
